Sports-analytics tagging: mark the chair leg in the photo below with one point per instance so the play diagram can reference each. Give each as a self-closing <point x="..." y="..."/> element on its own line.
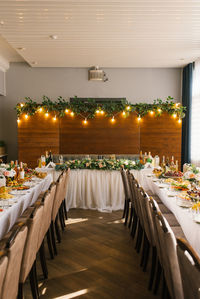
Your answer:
<point x="53" y="238"/>
<point x="57" y="230"/>
<point x="127" y="212"/>
<point x="33" y="283"/>
<point x="146" y="257"/>
<point x="143" y="251"/>
<point x="61" y="219"/>
<point x="63" y="214"/>
<point x="65" y="209"/>
<point x="36" y="280"/>
<point x="139" y="238"/>
<point x="131" y="217"/>
<point x="124" y="211"/>
<point x="43" y="260"/>
<point x="153" y="267"/>
<point x="20" y="291"/>
<point x="49" y="243"/>
<point x="158" y="276"/>
<point x="134" y="225"/>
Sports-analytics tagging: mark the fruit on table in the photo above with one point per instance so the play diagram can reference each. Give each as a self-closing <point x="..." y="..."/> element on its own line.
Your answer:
<point x="174" y="174"/>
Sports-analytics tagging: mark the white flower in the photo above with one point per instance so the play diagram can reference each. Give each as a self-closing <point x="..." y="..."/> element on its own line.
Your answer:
<point x="133" y="162"/>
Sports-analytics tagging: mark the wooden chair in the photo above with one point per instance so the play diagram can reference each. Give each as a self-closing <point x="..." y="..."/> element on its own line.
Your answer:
<point x="3" y="268"/>
<point x="28" y="266"/>
<point x="169" y="258"/>
<point x="189" y="263"/>
<point x="127" y="196"/>
<point x="14" y="243"/>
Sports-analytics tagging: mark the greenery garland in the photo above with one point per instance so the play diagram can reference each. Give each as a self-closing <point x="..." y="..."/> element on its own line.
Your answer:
<point x="100" y="164"/>
<point x="90" y="108"/>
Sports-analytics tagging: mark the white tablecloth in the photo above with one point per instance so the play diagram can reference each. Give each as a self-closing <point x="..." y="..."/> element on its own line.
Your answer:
<point x="190" y="228"/>
<point x="95" y="189"/>
<point x="9" y="216"/>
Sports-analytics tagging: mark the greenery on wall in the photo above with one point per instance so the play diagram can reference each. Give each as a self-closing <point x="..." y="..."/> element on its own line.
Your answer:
<point x="89" y="109"/>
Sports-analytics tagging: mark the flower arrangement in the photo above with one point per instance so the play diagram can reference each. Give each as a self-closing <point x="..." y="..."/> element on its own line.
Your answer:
<point x="90" y="108"/>
<point x="100" y="164"/>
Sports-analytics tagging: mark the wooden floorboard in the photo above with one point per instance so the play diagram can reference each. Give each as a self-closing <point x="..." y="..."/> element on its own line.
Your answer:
<point x="96" y="260"/>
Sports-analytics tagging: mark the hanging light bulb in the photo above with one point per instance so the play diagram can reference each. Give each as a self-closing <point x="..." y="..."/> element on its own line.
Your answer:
<point x="151" y="112"/>
<point x="85" y="121"/>
<point x="139" y="118"/>
<point x="124" y="113"/>
<point x="46" y="114"/>
<point x="72" y="113"/>
<point x="159" y="110"/>
<point x="40" y="109"/>
<point x="22" y="104"/>
<point x="54" y="118"/>
<point x="102" y="112"/>
<point x="97" y="111"/>
<point x="66" y="110"/>
<point x="26" y="116"/>
<point x="177" y="104"/>
<point x="174" y="115"/>
<point x="18" y="120"/>
<point x="113" y="119"/>
<point x="128" y="108"/>
<point x="179" y="121"/>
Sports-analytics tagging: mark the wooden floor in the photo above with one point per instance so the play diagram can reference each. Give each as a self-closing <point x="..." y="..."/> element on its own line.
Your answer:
<point x="96" y="259"/>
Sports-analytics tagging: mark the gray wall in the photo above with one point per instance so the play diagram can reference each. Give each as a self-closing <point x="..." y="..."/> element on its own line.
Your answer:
<point x="136" y="84"/>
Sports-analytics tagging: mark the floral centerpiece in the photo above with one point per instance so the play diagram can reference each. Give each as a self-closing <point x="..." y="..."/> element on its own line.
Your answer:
<point x="100" y="164"/>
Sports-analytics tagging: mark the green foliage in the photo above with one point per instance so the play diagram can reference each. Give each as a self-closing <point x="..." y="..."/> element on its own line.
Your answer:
<point x="88" y="109"/>
<point x="100" y="164"/>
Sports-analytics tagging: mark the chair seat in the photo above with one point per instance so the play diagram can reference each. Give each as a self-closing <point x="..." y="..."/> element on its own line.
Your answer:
<point x="171" y="219"/>
<point x="178" y="232"/>
<point x="164" y="209"/>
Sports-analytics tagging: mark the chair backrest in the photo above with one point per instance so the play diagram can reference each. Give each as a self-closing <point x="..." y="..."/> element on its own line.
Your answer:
<point x="47" y="200"/>
<point x="58" y="196"/>
<point x="189" y="263"/>
<point x="147" y="216"/>
<point x="169" y="256"/>
<point x="3" y="268"/>
<point x="31" y="245"/>
<point x="14" y="242"/>
<point x="125" y="184"/>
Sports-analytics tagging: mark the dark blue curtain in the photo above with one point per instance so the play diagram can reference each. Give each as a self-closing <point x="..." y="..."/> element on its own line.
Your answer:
<point x="187" y="102"/>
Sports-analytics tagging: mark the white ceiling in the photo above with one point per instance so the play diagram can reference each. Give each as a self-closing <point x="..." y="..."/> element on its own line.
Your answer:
<point x="108" y="33"/>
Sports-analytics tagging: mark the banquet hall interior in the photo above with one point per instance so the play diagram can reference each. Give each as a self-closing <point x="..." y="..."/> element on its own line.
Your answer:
<point x="99" y="149"/>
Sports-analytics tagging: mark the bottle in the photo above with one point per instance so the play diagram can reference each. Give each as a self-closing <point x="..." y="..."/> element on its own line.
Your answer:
<point x="21" y="172"/>
<point x="47" y="157"/>
<point x="176" y="165"/>
<point x="141" y="157"/>
<point x="172" y="164"/>
<point x="12" y="164"/>
<point x="50" y="156"/>
<point x="167" y="162"/>
<point x="163" y="165"/>
<point x="145" y="157"/>
<point x="16" y="169"/>
<point x="149" y="158"/>
<point x="156" y="161"/>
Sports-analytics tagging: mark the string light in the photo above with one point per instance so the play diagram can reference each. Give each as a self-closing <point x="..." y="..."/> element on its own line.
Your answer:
<point x="54" y="118"/>
<point x="72" y="113"/>
<point x="113" y="119"/>
<point x="66" y="110"/>
<point x="128" y="108"/>
<point x="85" y="121"/>
<point x="26" y="116"/>
<point x="18" y="120"/>
<point x="159" y="110"/>
<point x="123" y="113"/>
<point x="22" y="105"/>
<point x="46" y="114"/>
<point x="179" y="121"/>
<point x="40" y="109"/>
<point x="97" y="111"/>
<point x="139" y="118"/>
<point x="174" y="115"/>
<point x="151" y="112"/>
<point x="177" y="104"/>
<point x="102" y="112"/>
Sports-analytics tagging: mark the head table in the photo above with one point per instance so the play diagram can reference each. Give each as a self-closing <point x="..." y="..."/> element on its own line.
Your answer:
<point x="14" y="207"/>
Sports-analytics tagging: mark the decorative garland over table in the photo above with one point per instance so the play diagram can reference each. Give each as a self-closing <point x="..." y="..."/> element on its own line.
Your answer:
<point x="100" y="164"/>
<point x="91" y="108"/>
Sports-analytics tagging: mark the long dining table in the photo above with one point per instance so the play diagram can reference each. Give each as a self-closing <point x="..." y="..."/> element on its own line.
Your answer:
<point x="12" y="209"/>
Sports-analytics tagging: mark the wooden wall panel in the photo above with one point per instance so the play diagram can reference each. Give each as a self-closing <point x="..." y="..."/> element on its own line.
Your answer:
<point x="36" y="135"/>
<point x="99" y="136"/>
<point x="161" y="135"/>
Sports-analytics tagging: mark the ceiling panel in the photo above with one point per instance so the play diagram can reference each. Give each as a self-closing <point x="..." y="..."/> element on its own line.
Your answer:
<point x="108" y="33"/>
